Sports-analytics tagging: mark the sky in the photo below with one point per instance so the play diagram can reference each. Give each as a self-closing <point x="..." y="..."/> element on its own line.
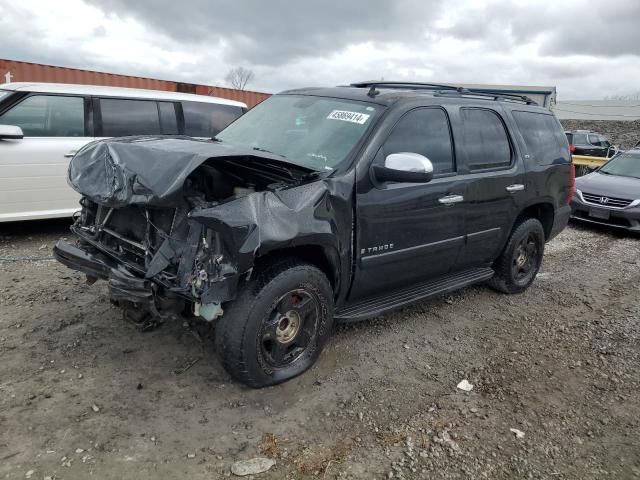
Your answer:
<point x="588" y="49"/>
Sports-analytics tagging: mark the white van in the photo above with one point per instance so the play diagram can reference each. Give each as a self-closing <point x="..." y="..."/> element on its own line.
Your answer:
<point x="42" y="125"/>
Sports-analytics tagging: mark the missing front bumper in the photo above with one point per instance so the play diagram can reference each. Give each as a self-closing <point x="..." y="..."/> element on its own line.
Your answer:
<point x="123" y="285"/>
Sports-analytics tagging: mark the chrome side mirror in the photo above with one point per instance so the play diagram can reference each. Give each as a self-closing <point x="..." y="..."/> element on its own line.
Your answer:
<point x="405" y="167"/>
<point x="10" y="132"/>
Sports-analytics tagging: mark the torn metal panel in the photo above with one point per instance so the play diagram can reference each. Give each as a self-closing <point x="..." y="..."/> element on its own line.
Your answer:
<point x="149" y="170"/>
<point x="264" y="221"/>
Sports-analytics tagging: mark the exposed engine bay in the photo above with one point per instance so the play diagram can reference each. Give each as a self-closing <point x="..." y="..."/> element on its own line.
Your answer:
<point x="174" y="224"/>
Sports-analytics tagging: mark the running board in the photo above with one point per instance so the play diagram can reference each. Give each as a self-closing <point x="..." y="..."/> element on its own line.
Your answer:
<point x="374" y="306"/>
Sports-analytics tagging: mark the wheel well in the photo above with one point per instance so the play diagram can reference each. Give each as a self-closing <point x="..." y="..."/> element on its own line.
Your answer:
<point x="543" y="212"/>
<point x="313" y="254"/>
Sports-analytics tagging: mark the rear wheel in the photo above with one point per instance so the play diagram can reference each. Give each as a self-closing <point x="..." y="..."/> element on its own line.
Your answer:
<point x="518" y="265"/>
<point x="277" y="326"/>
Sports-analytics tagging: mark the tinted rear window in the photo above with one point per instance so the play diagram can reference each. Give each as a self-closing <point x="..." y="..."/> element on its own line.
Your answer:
<point x="543" y="136"/>
<point x="207" y="119"/>
<point x="485" y="139"/>
<point x="129" y="117"/>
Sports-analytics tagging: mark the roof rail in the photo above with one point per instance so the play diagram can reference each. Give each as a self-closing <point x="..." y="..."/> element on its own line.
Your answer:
<point x="443" y="89"/>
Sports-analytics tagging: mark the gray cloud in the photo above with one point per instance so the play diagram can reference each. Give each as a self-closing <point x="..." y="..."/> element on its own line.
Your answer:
<point x="290" y="44"/>
<point x="608" y="30"/>
<point x="271" y="32"/>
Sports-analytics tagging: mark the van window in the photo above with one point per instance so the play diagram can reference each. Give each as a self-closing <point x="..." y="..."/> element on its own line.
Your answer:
<point x="604" y="142"/>
<point x="424" y="131"/>
<point x="129" y="117"/>
<point x="47" y="116"/>
<point x="579" y="139"/>
<point x="207" y="119"/>
<point x="485" y="139"/>
<point x="543" y="136"/>
<point x="168" y="120"/>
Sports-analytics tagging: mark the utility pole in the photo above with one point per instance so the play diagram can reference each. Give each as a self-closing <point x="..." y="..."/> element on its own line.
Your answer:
<point x="8" y="77"/>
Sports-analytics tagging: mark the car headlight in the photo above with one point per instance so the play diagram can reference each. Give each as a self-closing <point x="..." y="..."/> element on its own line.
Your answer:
<point x="578" y="193"/>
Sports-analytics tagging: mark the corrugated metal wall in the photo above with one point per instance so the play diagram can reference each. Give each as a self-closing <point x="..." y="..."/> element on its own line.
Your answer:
<point x="15" y="71"/>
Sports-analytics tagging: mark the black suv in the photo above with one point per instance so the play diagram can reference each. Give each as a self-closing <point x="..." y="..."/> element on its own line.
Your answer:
<point x="589" y="144"/>
<point x="321" y="205"/>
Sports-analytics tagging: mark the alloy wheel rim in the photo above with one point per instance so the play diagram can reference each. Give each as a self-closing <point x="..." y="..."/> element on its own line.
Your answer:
<point x="290" y="328"/>
<point x="525" y="259"/>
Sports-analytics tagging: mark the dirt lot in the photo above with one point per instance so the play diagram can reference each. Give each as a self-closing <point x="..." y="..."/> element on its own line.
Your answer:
<point x="624" y="134"/>
<point x="85" y="395"/>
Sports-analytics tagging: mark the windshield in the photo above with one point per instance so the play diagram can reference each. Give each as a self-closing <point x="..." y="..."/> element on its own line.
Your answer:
<point x="314" y="132"/>
<point x="3" y="94"/>
<point x="625" y="165"/>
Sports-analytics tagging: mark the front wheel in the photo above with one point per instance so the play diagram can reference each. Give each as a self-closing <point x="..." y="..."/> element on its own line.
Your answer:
<point x="519" y="262"/>
<point x="277" y="326"/>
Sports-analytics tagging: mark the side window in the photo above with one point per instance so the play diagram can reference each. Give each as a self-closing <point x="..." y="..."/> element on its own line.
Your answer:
<point x="129" y="117"/>
<point x="48" y="116"/>
<point x="424" y="131"/>
<point x="207" y="119"/>
<point x="543" y="137"/>
<point x="168" y="119"/>
<point x="579" y="139"/>
<point x="604" y="142"/>
<point x="485" y="139"/>
<point x="594" y="140"/>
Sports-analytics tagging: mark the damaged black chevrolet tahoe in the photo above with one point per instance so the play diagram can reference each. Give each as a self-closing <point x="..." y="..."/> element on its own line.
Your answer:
<point x="317" y="206"/>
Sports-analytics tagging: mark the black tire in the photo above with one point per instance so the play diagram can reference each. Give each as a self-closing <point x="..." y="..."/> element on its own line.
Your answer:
<point x="256" y="338"/>
<point x="519" y="262"/>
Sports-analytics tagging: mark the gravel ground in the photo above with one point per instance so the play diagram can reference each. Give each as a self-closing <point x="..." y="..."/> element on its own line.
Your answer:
<point x="85" y="395"/>
<point x="625" y="134"/>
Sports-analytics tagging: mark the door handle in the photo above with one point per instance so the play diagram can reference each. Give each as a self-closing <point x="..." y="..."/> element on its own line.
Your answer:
<point x="516" y="187"/>
<point x="70" y="154"/>
<point x="451" y="199"/>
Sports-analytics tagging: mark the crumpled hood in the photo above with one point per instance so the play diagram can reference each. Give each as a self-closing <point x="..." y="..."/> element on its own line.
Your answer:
<point x="146" y="170"/>
<point x="609" y="185"/>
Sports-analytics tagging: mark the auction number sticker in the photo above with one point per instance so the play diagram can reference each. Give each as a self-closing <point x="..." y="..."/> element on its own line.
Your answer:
<point x="346" y="116"/>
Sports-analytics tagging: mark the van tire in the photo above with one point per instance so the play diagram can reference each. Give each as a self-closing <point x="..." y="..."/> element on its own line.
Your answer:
<point x="251" y="336"/>
<point x="518" y="264"/>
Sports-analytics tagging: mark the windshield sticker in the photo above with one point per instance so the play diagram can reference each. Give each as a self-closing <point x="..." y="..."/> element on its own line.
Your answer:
<point x="345" y="116"/>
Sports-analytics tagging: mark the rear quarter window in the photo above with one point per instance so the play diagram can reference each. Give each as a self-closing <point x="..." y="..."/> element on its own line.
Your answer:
<point x="543" y="136"/>
<point x="208" y="119"/>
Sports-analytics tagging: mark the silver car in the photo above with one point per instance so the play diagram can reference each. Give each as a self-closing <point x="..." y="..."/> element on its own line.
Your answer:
<point x="610" y="195"/>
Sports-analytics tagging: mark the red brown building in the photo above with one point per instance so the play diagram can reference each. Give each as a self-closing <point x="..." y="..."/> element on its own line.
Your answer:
<point x="14" y="71"/>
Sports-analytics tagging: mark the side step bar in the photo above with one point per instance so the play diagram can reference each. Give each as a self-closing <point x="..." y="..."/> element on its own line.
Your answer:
<point x="374" y="306"/>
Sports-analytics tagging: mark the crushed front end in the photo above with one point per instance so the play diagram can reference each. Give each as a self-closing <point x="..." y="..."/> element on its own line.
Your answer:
<point x="173" y="224"/>
<point x="154" y="259"/>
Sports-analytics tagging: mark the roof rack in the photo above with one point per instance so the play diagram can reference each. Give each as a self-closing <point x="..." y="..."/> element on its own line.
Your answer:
<point x="443" y="89"/>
